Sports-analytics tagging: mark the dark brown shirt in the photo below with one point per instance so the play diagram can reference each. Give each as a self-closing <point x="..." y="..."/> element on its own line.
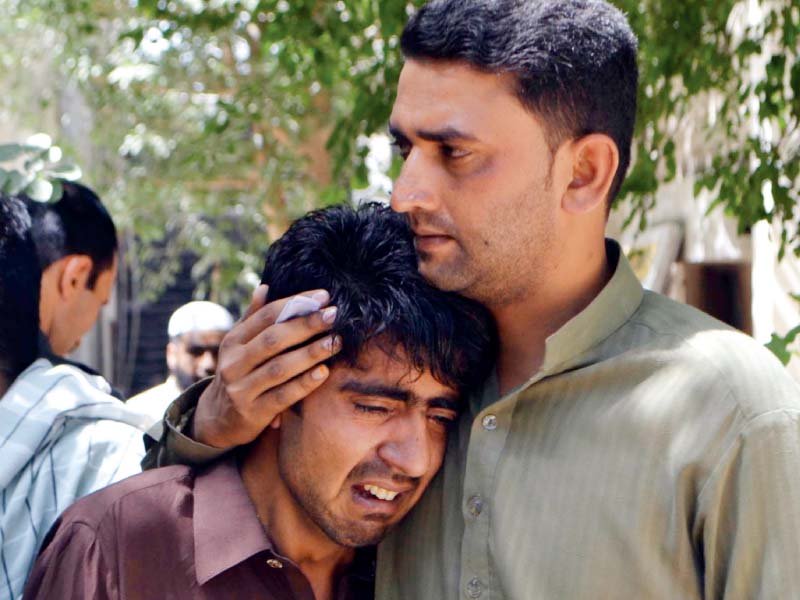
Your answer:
<point x="174" y="533"/>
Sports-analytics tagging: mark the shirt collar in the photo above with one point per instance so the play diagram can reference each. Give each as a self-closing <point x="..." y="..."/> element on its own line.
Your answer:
<point x="609" y="310"/>
<point x="227" y="530"/>
<point x="221" y="543"/>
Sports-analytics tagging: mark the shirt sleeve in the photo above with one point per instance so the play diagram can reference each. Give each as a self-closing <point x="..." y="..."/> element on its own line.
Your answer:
<point x="71" y="564"/>
<point x="175" y="447"/>
<point x="750" y="513"/>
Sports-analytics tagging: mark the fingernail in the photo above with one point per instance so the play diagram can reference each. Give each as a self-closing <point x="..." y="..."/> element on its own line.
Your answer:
<point x="259" y="290"/>
<point x="329" y="314"/>
<point x="322" y="296"/>
<point x="332" y="343"/>
<point x="319" y="373"/>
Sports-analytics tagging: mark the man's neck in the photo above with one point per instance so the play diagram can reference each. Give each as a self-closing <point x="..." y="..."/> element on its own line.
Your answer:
<point x="4" y="384"/>
<point x="524" y="326"/>
<point x="289" y="528"/>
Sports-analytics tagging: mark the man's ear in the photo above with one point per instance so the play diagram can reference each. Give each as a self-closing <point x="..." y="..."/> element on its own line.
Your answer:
<point x="172" y="356"/>
<point x="74" y="275"/>
<point x="276" y="422"/>
<point x="594" y="165"/>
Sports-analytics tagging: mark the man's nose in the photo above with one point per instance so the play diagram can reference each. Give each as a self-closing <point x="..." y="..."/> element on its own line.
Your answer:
<point x="414" y="187"/>
<point x="207" y="363"/>
<point x="409" y="450"/>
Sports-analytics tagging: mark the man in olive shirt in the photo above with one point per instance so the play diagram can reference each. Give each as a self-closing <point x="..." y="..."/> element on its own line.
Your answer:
<point x="627" y="446"/>
<point x="326" y="478"/>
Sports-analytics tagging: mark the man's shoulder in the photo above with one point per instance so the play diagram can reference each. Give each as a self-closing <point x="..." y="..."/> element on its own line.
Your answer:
<point x="44" y="376"/>
<point x="696" y="346"/>
<point x="150" y="494"/>
<point x="50" y="394"/>
<point x="157" y="391"/>
<point x="155" y="400"/>
<point x="102" y="443"/>
<point x="666" y="316"/>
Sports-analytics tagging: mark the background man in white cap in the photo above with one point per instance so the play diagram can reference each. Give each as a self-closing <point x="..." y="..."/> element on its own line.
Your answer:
<point x="195" y="332"/>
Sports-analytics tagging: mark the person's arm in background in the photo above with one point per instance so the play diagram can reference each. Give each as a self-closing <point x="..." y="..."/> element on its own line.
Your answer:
<point x="263" y="370"/>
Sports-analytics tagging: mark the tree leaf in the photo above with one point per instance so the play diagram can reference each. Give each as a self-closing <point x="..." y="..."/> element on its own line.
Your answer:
<point x="66" y="172"/>
<point x="54" y="154"/>
<point x="39" y="141"/>
<point x="40" y="190"/>
<point x="58" y="190"/>
<point x="779" y="347"/>
<point x="10" y="152"/>
<point x="16" y="183"/>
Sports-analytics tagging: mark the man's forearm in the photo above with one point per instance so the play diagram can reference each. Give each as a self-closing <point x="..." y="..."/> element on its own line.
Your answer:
<point x="176" y="446"/>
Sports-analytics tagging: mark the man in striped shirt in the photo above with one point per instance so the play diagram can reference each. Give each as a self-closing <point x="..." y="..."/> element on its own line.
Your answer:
<point x="62" y="435"/>
<point x="76" y="242"/>
<point x="626" y="446"/>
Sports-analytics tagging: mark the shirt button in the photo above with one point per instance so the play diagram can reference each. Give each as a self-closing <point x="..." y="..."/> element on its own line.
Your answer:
<point x="274" y="563"/>
<point x="474" y="588"/>
<point x="475" y="505"/>
<point x="489" y="422"/>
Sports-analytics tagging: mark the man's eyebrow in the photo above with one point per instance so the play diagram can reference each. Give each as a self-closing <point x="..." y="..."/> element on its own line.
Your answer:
<point x="447" y="134"/>
<point x="446" y="402"/>
<point x="376" y="389"/>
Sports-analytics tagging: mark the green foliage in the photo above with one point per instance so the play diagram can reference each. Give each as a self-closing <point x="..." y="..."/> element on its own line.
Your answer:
<point x="34" y="168"/>
<point x="215" y="123"/>
<point x="730" y="71"/>
<point x="782" y="346"/>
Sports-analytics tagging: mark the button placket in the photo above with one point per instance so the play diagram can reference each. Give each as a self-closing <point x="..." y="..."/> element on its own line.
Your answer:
<point x="487" y="440"/>
<point x="489" y="422"/>
<point x="473" y="588"/>
<point x="475" y="505"/>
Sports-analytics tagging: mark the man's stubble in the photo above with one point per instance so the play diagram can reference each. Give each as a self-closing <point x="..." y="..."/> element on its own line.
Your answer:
<point x="503" y="261"/>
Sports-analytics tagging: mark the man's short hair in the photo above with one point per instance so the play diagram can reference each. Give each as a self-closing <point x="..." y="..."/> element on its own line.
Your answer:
<point x="19" y="289"/>
<point x="365" y="259"/>
<point x="77" y="224"/>
<point x="574" y="61"/>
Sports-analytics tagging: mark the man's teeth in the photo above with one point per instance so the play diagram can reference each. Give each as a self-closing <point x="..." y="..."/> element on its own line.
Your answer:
<point x="381" y="493"/>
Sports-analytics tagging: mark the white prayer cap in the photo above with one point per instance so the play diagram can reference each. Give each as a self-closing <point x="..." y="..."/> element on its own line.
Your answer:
<point x="199" y="316"/>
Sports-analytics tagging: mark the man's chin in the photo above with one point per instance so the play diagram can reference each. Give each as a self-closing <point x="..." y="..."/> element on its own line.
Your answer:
<point x="443" y="274"/>
<point x="185" y="380"/>
<point x="366" y="533"/>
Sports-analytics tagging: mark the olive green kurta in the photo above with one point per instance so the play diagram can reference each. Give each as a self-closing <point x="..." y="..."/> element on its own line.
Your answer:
<point x="656" y="454"/>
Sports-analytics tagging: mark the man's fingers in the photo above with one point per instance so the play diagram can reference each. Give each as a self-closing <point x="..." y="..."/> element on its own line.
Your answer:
<point x="287" y="366"/>
<point x="259" y="299"/>
<point x="266" y="315"/>
<point x="235" y="408"/>
<point x="274" y="340"/>
<point x="278" y="399"/>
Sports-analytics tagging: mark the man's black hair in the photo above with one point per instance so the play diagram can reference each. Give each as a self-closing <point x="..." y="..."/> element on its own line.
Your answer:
<point x="574" y="61"/>
<point x="365" y="259"/>
<point x="77" y="224"/>
<point x="19" y="289"/>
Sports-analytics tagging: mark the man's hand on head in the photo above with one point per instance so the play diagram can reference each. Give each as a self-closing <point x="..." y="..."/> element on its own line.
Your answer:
<point x="257" y="378"/>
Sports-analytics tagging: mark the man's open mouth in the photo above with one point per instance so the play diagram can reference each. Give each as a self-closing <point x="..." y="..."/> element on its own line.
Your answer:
<point x="372" y="492"/>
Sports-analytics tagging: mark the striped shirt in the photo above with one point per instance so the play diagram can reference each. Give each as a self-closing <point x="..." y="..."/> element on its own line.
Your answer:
<point x="62" y="436"/>
<point x="654" y="455"/>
